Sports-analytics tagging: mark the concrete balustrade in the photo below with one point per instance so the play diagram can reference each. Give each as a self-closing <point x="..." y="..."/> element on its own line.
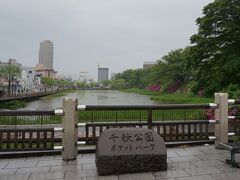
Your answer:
<point x="221" y="115"/>
<point x="70" y="131"/>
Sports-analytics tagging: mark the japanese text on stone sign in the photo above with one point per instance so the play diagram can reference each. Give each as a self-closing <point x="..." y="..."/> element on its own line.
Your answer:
<point x="128" y="142"/>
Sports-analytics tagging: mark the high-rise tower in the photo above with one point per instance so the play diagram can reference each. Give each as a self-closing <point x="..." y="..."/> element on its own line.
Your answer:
<point x="46" y="54"/>
<point x="102" y="74"/>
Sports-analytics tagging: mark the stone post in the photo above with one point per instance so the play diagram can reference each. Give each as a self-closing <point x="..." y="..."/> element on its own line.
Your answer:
<point x="221" y="116"/>
<point x="70" y="130"/>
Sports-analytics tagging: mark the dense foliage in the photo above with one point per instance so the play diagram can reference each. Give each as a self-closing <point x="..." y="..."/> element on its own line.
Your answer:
<point x="138" y="78"/>
<point x="216" y="50"/>
<point x="170" y="73"/>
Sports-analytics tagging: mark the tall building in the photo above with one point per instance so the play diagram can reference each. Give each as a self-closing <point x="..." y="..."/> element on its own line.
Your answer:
<point x="102" y="74"/>
<point x="46" y="54"/>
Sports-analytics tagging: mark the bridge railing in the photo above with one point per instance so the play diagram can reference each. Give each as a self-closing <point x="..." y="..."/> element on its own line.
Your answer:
<point x="17" y="135"/>
<point x="74" y="132"/>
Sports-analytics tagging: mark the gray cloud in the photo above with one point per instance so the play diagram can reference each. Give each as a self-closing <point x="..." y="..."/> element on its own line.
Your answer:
<point x="116" y="34"/>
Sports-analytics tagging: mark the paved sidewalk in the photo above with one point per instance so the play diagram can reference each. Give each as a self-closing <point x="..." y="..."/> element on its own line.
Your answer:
<point x="184" y="163"/>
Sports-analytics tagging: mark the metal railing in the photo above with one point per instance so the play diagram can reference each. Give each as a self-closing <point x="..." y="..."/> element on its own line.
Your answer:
<point x="109" y="114"/>
<point x="174" y="122"/>
<point x="20" y="117"/>
<point x="119" y="113"/>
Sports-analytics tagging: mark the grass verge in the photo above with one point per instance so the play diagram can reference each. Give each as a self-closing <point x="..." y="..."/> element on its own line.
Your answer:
<point x="175" y="98"/>
<point x="12" y="104"/>
<point x="63" y="93"/>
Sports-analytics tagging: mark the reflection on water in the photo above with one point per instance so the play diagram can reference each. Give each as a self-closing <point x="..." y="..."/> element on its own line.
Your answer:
<point x="92" y="97"/>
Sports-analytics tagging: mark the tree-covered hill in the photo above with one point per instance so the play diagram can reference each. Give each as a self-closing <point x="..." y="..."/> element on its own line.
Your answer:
<point x="211" y="64"/>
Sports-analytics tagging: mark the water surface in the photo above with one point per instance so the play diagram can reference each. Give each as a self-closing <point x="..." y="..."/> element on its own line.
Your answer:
<point x="92" y="97"/>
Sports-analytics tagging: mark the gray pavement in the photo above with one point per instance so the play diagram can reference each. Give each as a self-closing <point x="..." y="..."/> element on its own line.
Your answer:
<point x="184" y="163"/>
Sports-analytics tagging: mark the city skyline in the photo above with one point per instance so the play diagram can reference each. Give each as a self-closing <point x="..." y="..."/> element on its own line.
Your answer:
<point x="119" y="35"/>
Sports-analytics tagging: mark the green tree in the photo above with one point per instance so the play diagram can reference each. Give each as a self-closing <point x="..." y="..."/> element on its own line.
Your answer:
<point x="106" y="83"/>
<point x="216" y="47"/>
<point x="47" y="82"/>
<point x="93" y="84"/>
<point x="172" y="69"/>
<point x="81" y="84"/>
<point x="59" y="83"/>
<point x="134" y="78"/>
<point x="118" y="83"/>
<point x="10" y="72"/>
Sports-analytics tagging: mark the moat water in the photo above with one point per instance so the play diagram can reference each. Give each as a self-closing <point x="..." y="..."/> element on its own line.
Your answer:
<point x="91" y="97"/>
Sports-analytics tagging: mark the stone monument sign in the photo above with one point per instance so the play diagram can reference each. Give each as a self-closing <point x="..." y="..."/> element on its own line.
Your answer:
<point x="130" y="150"/>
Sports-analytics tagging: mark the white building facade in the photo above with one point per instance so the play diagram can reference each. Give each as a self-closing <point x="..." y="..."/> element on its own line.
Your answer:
<point x="29" y="82"/>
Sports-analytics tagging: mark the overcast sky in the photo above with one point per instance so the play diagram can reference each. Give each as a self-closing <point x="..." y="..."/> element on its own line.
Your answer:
<point x="119" y="34"/>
